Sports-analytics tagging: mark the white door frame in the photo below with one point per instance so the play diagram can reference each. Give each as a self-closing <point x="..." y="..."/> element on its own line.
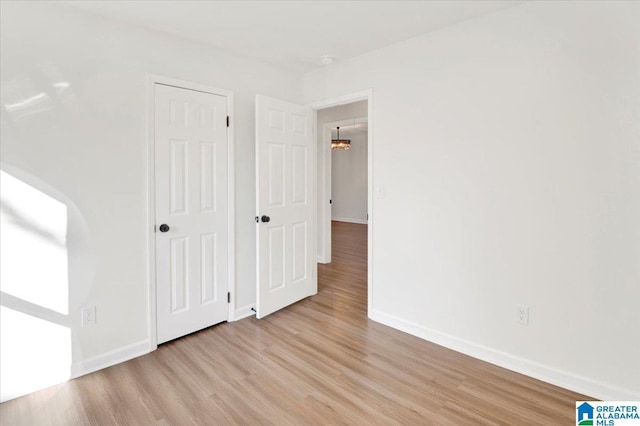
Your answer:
<point x="324" y="186"/>
<point x="364" y="95"/>
<point x="151" y="195"/>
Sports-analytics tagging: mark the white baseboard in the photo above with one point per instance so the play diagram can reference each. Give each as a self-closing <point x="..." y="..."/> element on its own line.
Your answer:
<point x="349" y="220"/>
<point x="564" y="379"/>
<point x="244" y="312"/>
<point x="108" y="359"/>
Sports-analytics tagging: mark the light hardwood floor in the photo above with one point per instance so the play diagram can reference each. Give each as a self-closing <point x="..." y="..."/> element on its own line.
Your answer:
<point x="320" y="361"/>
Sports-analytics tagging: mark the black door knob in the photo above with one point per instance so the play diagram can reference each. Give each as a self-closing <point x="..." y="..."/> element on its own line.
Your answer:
<point x="265" y="219"/>
<point x="164" y="227"/>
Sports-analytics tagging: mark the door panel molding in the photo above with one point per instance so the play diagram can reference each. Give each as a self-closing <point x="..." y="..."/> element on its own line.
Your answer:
<point x="152" y="81"/>
<point x="285" y="204"/>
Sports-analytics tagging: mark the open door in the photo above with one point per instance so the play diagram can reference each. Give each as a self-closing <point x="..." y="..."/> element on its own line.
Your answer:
<point x="285" y="177"/>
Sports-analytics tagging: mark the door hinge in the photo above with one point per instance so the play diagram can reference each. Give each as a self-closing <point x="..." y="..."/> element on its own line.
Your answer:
<point x="227" y="121"/>
<point x="257" y="219"/>
<point x="330" y="201"/>
<point x="228" y="297"/>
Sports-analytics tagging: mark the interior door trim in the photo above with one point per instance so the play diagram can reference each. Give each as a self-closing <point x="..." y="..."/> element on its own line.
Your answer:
<point x="151" y="220"/>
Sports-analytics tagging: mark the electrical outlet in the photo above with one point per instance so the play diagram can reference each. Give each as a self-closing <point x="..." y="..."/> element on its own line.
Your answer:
<point x="88" y="316"/>
<point x="522" y="314"/>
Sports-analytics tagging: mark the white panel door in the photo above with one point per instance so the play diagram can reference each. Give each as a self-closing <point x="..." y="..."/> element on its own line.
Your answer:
<point x="285" y="171"/>
<point x="191" y="210"/>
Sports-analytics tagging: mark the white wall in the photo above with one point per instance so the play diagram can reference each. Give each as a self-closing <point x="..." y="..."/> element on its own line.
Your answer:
<point x="349" y="179"/>
<point x="517" y="182"/>
<point x="324" y="116"/>
<point x="74" y="120"/>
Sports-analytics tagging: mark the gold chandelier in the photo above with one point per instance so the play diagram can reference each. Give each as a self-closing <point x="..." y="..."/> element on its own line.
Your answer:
<point x="340" y="143"/>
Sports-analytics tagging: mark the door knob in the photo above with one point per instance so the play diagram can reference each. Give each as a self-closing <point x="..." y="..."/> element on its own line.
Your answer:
<point x="164" y="227"/>
<point x="265" y="219"/>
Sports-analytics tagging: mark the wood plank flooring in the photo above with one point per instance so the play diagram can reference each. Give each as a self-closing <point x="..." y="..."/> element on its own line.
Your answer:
<point x="320" y="361"/>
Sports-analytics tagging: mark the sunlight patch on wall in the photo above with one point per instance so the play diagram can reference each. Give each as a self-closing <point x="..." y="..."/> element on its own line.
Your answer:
<point x="33" y="245"/>
<point x="34" y="353"/>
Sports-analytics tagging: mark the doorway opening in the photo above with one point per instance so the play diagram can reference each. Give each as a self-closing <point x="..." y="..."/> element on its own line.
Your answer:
<point x="343" y="176"/>
<point x="344" y="225"/>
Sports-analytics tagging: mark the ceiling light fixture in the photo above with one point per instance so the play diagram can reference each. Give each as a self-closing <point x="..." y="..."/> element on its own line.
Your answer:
<point x="340" y="143"/>
<point x="326" y="60"/>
